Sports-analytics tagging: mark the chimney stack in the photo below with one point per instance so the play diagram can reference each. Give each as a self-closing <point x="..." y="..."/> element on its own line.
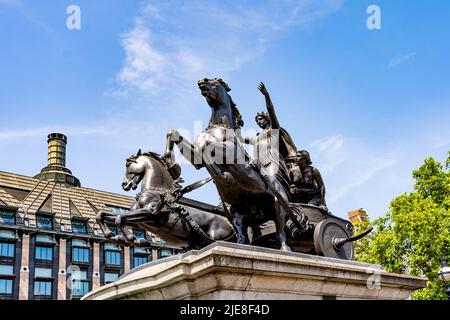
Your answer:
<point x="56" y="170"/>
<point x="57" y="149"/>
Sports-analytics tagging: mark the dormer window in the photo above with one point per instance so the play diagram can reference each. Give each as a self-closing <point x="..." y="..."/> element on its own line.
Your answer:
<point x="79" y="226"/>
<point x="44" y="221"/>
<point x="7" y="216"/>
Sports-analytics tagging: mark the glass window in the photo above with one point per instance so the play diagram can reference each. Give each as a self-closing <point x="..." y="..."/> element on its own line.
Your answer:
<point x="44" y="222"/>
<point x="79" y="226"/>
<point x="140" y="260"/>
<point x="7" y="216"/>
<point x="7" y="249"/>
<point x="44" y="253"/>
<point x="140" y="234"/>
<point x="79" y="275"/>
<point x="112" y="257"/>
<point x="80" y="284"/>
<point x="7" y="234"/>
<point x="6" y="270"/>
<point x="44" y="238"/>
<point x="165" y="253"/>
<point x="80" y="243"/>
<point x="111" y="277"/>
<point x="80" y="254"/>
<point x="80" y="288"/>
<point x="42" y="273"/>
<point x="118" y="209"/>
<point x="6" y="286"/>
<point x="43" y="288"/>
<point x="112" y="246"/>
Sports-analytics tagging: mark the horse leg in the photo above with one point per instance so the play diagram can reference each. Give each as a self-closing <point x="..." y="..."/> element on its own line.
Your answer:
<point x="240" y="224"/>
<point x="186" y="148"/>
<point x="119" y="222"/>
<point x="101" y="217"/>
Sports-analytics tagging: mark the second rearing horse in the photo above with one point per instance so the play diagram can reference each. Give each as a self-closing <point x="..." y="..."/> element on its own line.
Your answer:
<point x="253" y="199"/>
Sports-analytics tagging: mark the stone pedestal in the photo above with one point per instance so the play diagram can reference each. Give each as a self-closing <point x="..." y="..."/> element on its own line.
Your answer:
<point x="240" y="272"/>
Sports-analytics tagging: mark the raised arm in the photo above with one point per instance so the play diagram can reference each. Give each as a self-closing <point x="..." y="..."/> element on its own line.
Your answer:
<point x="270" y="109"/>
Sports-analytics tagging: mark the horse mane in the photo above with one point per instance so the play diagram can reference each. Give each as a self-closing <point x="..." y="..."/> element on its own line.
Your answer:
<point x="155" y="156"/>
<point x="235" y="114"/>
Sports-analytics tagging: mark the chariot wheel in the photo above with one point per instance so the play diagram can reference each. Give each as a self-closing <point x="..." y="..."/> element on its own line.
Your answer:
<point x="328" y="235"/>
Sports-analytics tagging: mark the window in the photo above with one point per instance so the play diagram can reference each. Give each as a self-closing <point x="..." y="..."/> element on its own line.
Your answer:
<point x="42" y="273"/>
<point x="165" y="253"/>
<point x="44" y="239"/>
<point x="6" y="270"/>
<point x="7" y="249"/>
<point x="80" y="283"/>
<point x="43" y="289"/>
<point x="6" y="287"/>
<point x="80" y="255"/>
<point x="7" y="234"/>
<point x="7" y="216"/>
<point x="112" y="254"/>
<point x="118" y="209"/>
<point x="140" y="260"/>
<point x="44" y="253"/>
<point x="45" y="222"/>
<point x="80" y="251"/>
<point x="79" y="226"/>
<point x="111" y="277"/>
<point x="140" y="234"/>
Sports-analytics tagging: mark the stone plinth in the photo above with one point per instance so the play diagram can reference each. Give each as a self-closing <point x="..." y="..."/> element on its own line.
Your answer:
<point x="232" y="271"/>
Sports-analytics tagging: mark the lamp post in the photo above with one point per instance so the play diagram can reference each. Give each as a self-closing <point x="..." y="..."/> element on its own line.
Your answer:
<point x="444" y="275"/>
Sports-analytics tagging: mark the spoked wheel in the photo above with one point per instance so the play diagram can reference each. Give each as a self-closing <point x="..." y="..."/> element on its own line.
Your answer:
<point x="328" y="240"/>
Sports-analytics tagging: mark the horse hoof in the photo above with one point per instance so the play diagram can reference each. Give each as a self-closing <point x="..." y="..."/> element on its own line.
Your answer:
<point x="285" y="248"/>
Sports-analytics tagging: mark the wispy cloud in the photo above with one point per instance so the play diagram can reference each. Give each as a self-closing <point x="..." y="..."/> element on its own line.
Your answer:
<point x="18" y="134"/>
<point x="401" y="59"/>
<point x="334" y="142"/>
<point x="360" y="177"/>
<point x="174" y="40"/>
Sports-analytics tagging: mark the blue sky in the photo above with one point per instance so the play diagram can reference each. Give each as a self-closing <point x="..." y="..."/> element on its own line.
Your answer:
<point x="369" y="105"/>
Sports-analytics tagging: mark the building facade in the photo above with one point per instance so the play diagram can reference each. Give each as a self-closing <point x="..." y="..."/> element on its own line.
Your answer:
<point x="50" y="244"/>
<point x="359" y="215"/>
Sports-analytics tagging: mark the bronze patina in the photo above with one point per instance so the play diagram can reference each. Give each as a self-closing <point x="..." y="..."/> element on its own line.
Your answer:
<point x="276" y="194"/>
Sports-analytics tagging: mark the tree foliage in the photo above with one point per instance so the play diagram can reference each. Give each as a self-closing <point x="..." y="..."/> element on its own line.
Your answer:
<point x="414" y="235"/>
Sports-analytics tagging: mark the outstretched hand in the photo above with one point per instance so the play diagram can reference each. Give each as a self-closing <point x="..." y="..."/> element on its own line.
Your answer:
<point x="263" y="89"/>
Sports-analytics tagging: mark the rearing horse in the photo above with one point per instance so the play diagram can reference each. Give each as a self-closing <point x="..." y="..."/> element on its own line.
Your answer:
<point x="155" y="208"/>
<point x="253" y="199"/>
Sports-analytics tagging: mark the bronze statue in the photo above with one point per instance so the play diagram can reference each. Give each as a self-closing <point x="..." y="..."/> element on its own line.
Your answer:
<point x="254" y="196"/>
<point x="311" y="189"/>
<point x="155" y="210"/>
<point x="278" y="189"/>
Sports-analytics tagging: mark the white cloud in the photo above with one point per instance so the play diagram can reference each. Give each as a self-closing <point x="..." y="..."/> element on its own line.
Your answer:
<point x="401" y="59"/>
<point x="175" y="40"/>
<point x="324" y="144"/>
<point x="360" y="177"/>
<point x="18" y="134"/>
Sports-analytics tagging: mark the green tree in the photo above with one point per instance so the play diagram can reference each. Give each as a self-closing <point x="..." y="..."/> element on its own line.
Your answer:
<point x="415" y="233"/>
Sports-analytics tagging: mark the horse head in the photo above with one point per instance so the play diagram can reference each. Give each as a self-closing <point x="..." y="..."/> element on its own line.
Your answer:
<point x="152" y="169"/>
<point x="135" y="170"/>
<point x="214" y="90"/>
